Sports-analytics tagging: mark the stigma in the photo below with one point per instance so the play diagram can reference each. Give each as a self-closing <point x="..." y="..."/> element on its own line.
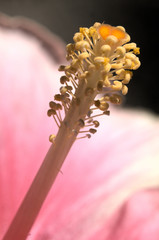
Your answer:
<point x="100" y="66"/>
<point x="106" y="30"/>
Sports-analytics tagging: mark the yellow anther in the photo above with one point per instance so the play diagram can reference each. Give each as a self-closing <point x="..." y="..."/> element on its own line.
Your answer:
<point x="83" y="55"/>
<point x="121" y="28"/>
<point x="70" y="48"/>
<point x="116" y="65"/>
<point x="75" y="63"/>
<point x="120" y="51"/>
<point x="130" y="56"/>
<point x="106" y="60"/>
<point x="107" y="67"/>
<point x="136" y="51"/>
<point x="124" y="90"/>
<point x="52" y="138"/>
<point x="106" y="82"/>
<point x="92" y="31"/>
<point x="97" y="25"/>
<point x="127" y="77"/>
<point x="78" y="37"/>
<point x="99" y="60"/>
<point x="84" y="30"/>
<point x="137" y="64"/>
<point x="130" y="46"/>
<point x="82" y="45"/>
<point x="106" y="49"/>
<point x="103" y="106"/>
<point x="117" y="86"/>
<point x="128" y="64"/>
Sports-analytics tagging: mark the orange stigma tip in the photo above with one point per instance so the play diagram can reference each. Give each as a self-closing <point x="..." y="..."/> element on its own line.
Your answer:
<point x="107" y="30"/>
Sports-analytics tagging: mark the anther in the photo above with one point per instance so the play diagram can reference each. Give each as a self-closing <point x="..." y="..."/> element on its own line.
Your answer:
<point x="88" y="135"/>
<point x="63" y="90"/>
<point x="92" y="130"/>
<point x="61" y="68"/>
<point x="106" y="49"/>
<point x="59" y="107"/>
<point x="51" y="112"/>
<point x="111" y="40"/>
<point x="64" y="79"/>
<point x="136" y="50"/>
<point x="58" y="97"/>
<point x="129" y="46"/>
<point x="83" y="55"/>
<point x="52" y="138"/>
<point x="116" y="65"/>
<point x="99" y="60"/>
<point x="82" y="45"/>
<point x="78" y="37"/>
<point x="53" y="105"/>
<point x="107" y="67"/>
<point x="117" y="86"/>
<point x="120" y="51"/>
<point x="81" y="123"/>
<point x="127" y="77"/>
<point x="128" y="63"/>
<point x="106" y="113"/>
<point x="69" y="88"/>
<point x="70" y="48"/>
<point x="115" y="99"/>
<point x="96" y="123"/>
<point x="103" y="105"/>
<point x="124" y="90"/>
<point x="89" y="113"/>
<point x="100" y="85"/>
<point x="97" y="103"/>
<point x="106" y="82"/>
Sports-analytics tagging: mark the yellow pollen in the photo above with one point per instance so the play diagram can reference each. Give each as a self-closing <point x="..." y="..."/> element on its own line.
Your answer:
<point x="106" y="60"/>
<point x="107" y="30"/>
<point x="136" y="50"/>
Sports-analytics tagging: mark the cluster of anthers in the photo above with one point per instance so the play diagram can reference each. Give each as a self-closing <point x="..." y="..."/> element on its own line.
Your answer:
<point x="100" y="66"/>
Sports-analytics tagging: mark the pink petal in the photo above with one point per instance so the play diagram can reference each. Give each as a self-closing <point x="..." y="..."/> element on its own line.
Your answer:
<point x="120" y="160"/>
<point x="29" y="77"/>
<point x="99" y="176"/>
<point x="138" y="218"/>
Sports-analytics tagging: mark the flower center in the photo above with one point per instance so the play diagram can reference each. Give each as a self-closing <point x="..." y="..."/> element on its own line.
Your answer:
<point x="101" y="64"/>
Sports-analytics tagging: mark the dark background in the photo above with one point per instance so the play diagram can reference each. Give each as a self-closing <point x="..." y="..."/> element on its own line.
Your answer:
<point x="140" y="18"/>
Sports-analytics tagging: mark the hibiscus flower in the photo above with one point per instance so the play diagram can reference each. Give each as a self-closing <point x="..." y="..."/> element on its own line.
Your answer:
<point x="108" y="185"/>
